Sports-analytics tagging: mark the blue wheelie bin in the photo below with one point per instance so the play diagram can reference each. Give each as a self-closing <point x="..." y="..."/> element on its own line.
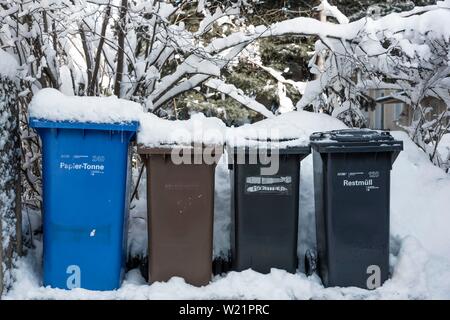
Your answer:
<point x="85" y="202"/>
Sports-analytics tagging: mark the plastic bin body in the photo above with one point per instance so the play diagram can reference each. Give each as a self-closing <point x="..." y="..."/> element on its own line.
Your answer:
<point x="180" y="202"/>
<point x="264" y="232"/>
<point x="85" y="203"/>
<point x="352" y="201"/>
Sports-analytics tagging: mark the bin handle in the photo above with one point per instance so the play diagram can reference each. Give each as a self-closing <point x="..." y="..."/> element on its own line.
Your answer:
<point x="364" y="149"/>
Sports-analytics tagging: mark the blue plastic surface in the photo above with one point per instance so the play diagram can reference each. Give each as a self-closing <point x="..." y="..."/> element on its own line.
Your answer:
<point x="85" y="198"/>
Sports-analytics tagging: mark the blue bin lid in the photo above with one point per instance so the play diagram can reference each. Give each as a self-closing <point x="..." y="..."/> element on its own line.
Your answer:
<point x="42" y="123"/>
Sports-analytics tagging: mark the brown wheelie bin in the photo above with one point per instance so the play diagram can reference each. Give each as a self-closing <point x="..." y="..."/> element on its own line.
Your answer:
<point x="180" y="207"/>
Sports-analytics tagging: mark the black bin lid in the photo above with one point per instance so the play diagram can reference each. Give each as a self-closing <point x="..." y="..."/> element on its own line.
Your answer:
<point x="254" y="145"/>
<point x="353" y="135"/>
<point x="355" y="140"/>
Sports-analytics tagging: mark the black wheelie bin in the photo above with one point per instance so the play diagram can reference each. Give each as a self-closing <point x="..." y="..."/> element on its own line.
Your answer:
<point x="265" y="208"/>
<point x="352" y="170"/>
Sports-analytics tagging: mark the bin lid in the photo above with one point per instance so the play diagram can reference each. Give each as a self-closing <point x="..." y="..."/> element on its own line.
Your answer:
<point x="47" y="124"/>
<point x="283" y="146"/>
<point x="355" y="140"/>
<point x="165" y="149"/>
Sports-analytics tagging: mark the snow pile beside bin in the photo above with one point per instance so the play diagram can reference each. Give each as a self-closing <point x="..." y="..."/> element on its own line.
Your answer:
<point x="222" y="207"/>
<point x="419" y="201"/>
<point x="52" y="105"/>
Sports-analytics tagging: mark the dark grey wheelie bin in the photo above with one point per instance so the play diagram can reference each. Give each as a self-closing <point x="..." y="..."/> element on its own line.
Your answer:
<point x="265" y="210"/>
<point x="352" y="196"/>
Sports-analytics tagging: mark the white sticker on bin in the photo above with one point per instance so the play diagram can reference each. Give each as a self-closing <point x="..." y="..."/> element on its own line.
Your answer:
<point x="93" y="164"/>
<point x="266" y="180"/>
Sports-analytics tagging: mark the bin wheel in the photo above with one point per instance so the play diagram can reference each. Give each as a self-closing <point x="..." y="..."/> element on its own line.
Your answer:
<point x="310" y="262"/>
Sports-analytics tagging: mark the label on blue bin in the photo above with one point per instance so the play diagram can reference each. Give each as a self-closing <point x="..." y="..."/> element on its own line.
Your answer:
<point x="92" y="164"/>
<point x="274" y="185"/>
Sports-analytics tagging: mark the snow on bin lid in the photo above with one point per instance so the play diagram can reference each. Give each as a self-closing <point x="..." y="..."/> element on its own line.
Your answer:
<point x="289" y="130"/>
<point x="50" y="104"/>
<point x="155" y="132"/>
<point x="351" y="135"/>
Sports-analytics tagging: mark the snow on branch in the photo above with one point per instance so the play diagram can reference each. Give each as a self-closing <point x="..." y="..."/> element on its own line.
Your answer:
<point x="238" y="95"/>
<point x="393" y="48"/>
<point x="197" y="79"/>
<point x="433" y="19"/>
<point x="207" y="23"/>
<point x="153" y="55"/>
<point x="332" y="11"/>
<point x="298" y="85"/>
<point x="406" y="55"/>
<point x="192" y="65"/>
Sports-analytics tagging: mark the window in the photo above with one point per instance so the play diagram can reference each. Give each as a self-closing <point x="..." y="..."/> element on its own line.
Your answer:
<point x="398" y="109"/>
<point x="379" y="113"/>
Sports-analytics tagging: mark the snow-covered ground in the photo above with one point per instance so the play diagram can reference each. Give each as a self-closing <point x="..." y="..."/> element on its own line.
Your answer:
<point x="420" y="247"/>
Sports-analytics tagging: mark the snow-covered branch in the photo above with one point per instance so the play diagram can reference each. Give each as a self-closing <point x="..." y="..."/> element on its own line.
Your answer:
<point x="238" y="95"/>
<point x="406" y="54"/>
<point x="278" y="75"/>
<point x="332" y="11"/>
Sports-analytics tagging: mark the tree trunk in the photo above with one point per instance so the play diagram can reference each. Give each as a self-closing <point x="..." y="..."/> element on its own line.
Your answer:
<point x="121" y="45"/>
<point x="93" y="85"/>
<point x="10" y="204"/>
<point x="320" y="62"/>
<point x="88" y="56"/>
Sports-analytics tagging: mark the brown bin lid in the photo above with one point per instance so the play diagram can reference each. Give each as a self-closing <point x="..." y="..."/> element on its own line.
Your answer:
<point x="168" y="148"/>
